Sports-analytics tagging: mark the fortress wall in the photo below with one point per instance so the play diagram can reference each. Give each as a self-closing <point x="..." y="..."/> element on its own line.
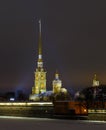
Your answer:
<point x="25" y="110"/>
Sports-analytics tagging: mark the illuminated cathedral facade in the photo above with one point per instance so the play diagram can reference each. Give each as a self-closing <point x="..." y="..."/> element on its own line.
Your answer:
<point x="39" y="86"/>
<point x="40" y="73"/>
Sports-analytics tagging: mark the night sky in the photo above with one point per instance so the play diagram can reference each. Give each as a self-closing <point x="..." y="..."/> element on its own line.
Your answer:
<point x="73" y="36"/>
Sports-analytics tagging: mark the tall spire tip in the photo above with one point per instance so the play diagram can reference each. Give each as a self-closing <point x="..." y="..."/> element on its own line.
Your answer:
<point x="40" y="26"/>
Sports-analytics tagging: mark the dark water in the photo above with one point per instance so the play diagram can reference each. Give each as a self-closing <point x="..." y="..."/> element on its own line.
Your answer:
<point x="12" y="123"/>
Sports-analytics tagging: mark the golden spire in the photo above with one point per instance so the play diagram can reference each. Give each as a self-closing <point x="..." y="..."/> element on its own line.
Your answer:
<point x="40" y="62"/>
<point x="40" y="39"/>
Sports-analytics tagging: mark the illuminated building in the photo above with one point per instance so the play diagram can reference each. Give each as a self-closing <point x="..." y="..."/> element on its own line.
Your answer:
<point x="63" y="90"/>
<point x="40" y="74"/>
<point x="57" y="85"/>
<point x="39" y="89"/>
<point x="95" y="81"/>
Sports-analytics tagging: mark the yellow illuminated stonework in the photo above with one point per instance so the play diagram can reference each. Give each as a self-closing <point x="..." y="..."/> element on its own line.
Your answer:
<point x="40" y="82"/>
<point x="57" y="84"/>
<point x="95" y="81"/>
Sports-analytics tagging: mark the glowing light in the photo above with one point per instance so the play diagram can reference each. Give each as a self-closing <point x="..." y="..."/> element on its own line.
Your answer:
<point x="40" y="103"/>
<point x="25" y="103"/>
<point x="96" y="111"/>
<point x="12" y="99"/>
<point x="85" y="110"/>
<point x="40" y="56"/>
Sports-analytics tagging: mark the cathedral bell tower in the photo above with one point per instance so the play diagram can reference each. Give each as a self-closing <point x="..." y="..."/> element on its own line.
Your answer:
<point x="40" y="74"/>
<point x="57" y="84"/>
<point x="95" y="81"/>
